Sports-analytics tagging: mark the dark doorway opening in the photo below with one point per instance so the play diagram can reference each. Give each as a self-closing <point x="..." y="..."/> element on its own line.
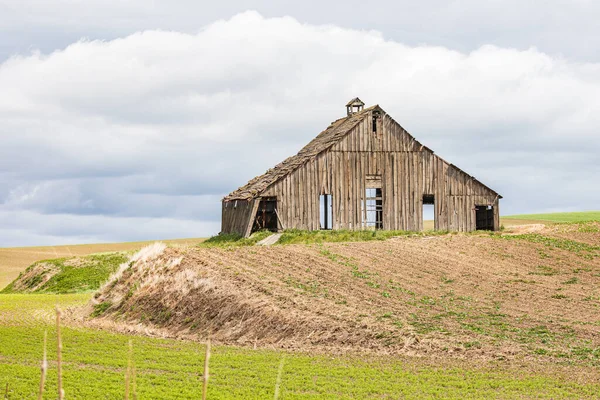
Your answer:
<point x="484" y="218"/>
<point x="428" y="216"/>
<point x="373" y="208"/>
<point x="326" y="214"/>
<point x="266" y="215"/>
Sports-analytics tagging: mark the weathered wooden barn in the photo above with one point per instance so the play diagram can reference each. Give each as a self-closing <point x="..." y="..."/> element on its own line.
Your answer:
<point x="363" y="172"/>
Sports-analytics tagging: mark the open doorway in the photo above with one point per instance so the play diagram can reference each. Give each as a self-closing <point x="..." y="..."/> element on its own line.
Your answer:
<point x="373" y="208"/>
<point x="484" y="218"/>
<point x="428" y="212"/>
<point x="325" y="214"/>
<point x="266" y="215"/>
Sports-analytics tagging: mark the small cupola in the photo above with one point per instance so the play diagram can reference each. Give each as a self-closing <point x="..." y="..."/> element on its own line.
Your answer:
<point x="355" y="105"/>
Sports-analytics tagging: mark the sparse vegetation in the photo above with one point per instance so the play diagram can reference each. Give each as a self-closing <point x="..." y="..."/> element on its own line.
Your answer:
<point x="544" y="270"/>
<point x="233" y="239"/>
<point x="293" y="236"/>
<point x="580" y="248"/>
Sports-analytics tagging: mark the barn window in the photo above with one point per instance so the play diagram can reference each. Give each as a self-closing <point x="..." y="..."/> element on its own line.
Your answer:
<point x="428" y="215"/>
<point x="325" y="214"/>
<point x="376" y="116"/>
<point x="373" y="208"/>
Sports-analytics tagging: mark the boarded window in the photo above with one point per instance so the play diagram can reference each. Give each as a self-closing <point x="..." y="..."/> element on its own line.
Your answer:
<point x="326" y="211"/>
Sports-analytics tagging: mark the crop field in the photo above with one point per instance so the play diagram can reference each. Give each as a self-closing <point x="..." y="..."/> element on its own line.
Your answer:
<point x="360" y="315"/>
<point x="583" y="216"/>
<point x="95" y="362"/>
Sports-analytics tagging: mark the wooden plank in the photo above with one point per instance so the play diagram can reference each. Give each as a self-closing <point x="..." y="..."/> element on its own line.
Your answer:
<point x="279" y="219"/>
<point x="251" y="217"/>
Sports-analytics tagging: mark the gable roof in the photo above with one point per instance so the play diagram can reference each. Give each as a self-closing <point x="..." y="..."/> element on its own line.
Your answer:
<point x="325" y="140"/>
<point x="355" y="101"/>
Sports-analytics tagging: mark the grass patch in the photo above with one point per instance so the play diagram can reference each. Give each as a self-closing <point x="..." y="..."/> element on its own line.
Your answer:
<point x="67" y="275"/>
<point x="100" y="308"/>
<point x="583" y="216"/>
<point x="234" y="239"/>
<point x="544" y="270"/>
<point x="293" y="236"/>
<point x="571" y="281"/>
<point x="298" y="236"/>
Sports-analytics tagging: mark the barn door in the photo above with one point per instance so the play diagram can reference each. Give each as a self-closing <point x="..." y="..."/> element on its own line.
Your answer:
<point x="484" y="218"/>
<point x="266" y="215"/>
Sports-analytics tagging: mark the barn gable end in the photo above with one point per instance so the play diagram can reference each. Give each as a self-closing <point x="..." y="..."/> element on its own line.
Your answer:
<point x="371" y="174"/>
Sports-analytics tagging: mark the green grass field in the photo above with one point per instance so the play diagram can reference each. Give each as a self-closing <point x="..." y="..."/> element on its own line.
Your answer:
<point x="95" y="363"/>
<point x="582" y="216"/>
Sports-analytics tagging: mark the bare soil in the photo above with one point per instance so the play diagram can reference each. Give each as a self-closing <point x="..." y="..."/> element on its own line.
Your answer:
<point x="463" y="295"/>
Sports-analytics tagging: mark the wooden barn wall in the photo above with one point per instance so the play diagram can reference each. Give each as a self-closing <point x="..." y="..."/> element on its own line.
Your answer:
<point x="408" y="170"/>
<point x="235" y="216"/>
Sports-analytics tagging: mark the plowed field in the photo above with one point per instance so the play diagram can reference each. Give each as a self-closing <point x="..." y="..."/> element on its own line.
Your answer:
<point x="510" y="296"/>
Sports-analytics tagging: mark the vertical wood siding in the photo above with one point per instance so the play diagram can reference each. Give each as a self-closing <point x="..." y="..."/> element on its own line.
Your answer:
<point x="408" y="170"/>
<point x="235" y="216"/>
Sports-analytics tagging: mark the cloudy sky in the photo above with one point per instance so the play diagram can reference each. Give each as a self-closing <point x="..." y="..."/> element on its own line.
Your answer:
<point x="129" y="120"/>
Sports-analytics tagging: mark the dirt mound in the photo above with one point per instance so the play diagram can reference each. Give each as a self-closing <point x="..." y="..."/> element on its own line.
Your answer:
<point x="470" y="295"/>
<point x="523" y="229"/>
<point x="195" y="292"/>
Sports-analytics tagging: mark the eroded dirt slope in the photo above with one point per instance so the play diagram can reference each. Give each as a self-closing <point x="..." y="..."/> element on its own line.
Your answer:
<point x="475" y="295"/>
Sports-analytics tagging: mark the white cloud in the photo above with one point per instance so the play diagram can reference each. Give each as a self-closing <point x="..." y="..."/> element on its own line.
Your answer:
<point x="161" y="124"/>
<point x="556" y="26"/>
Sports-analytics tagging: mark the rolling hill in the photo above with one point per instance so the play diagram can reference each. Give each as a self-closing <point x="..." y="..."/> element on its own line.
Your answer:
<point x="496" y="296"/>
